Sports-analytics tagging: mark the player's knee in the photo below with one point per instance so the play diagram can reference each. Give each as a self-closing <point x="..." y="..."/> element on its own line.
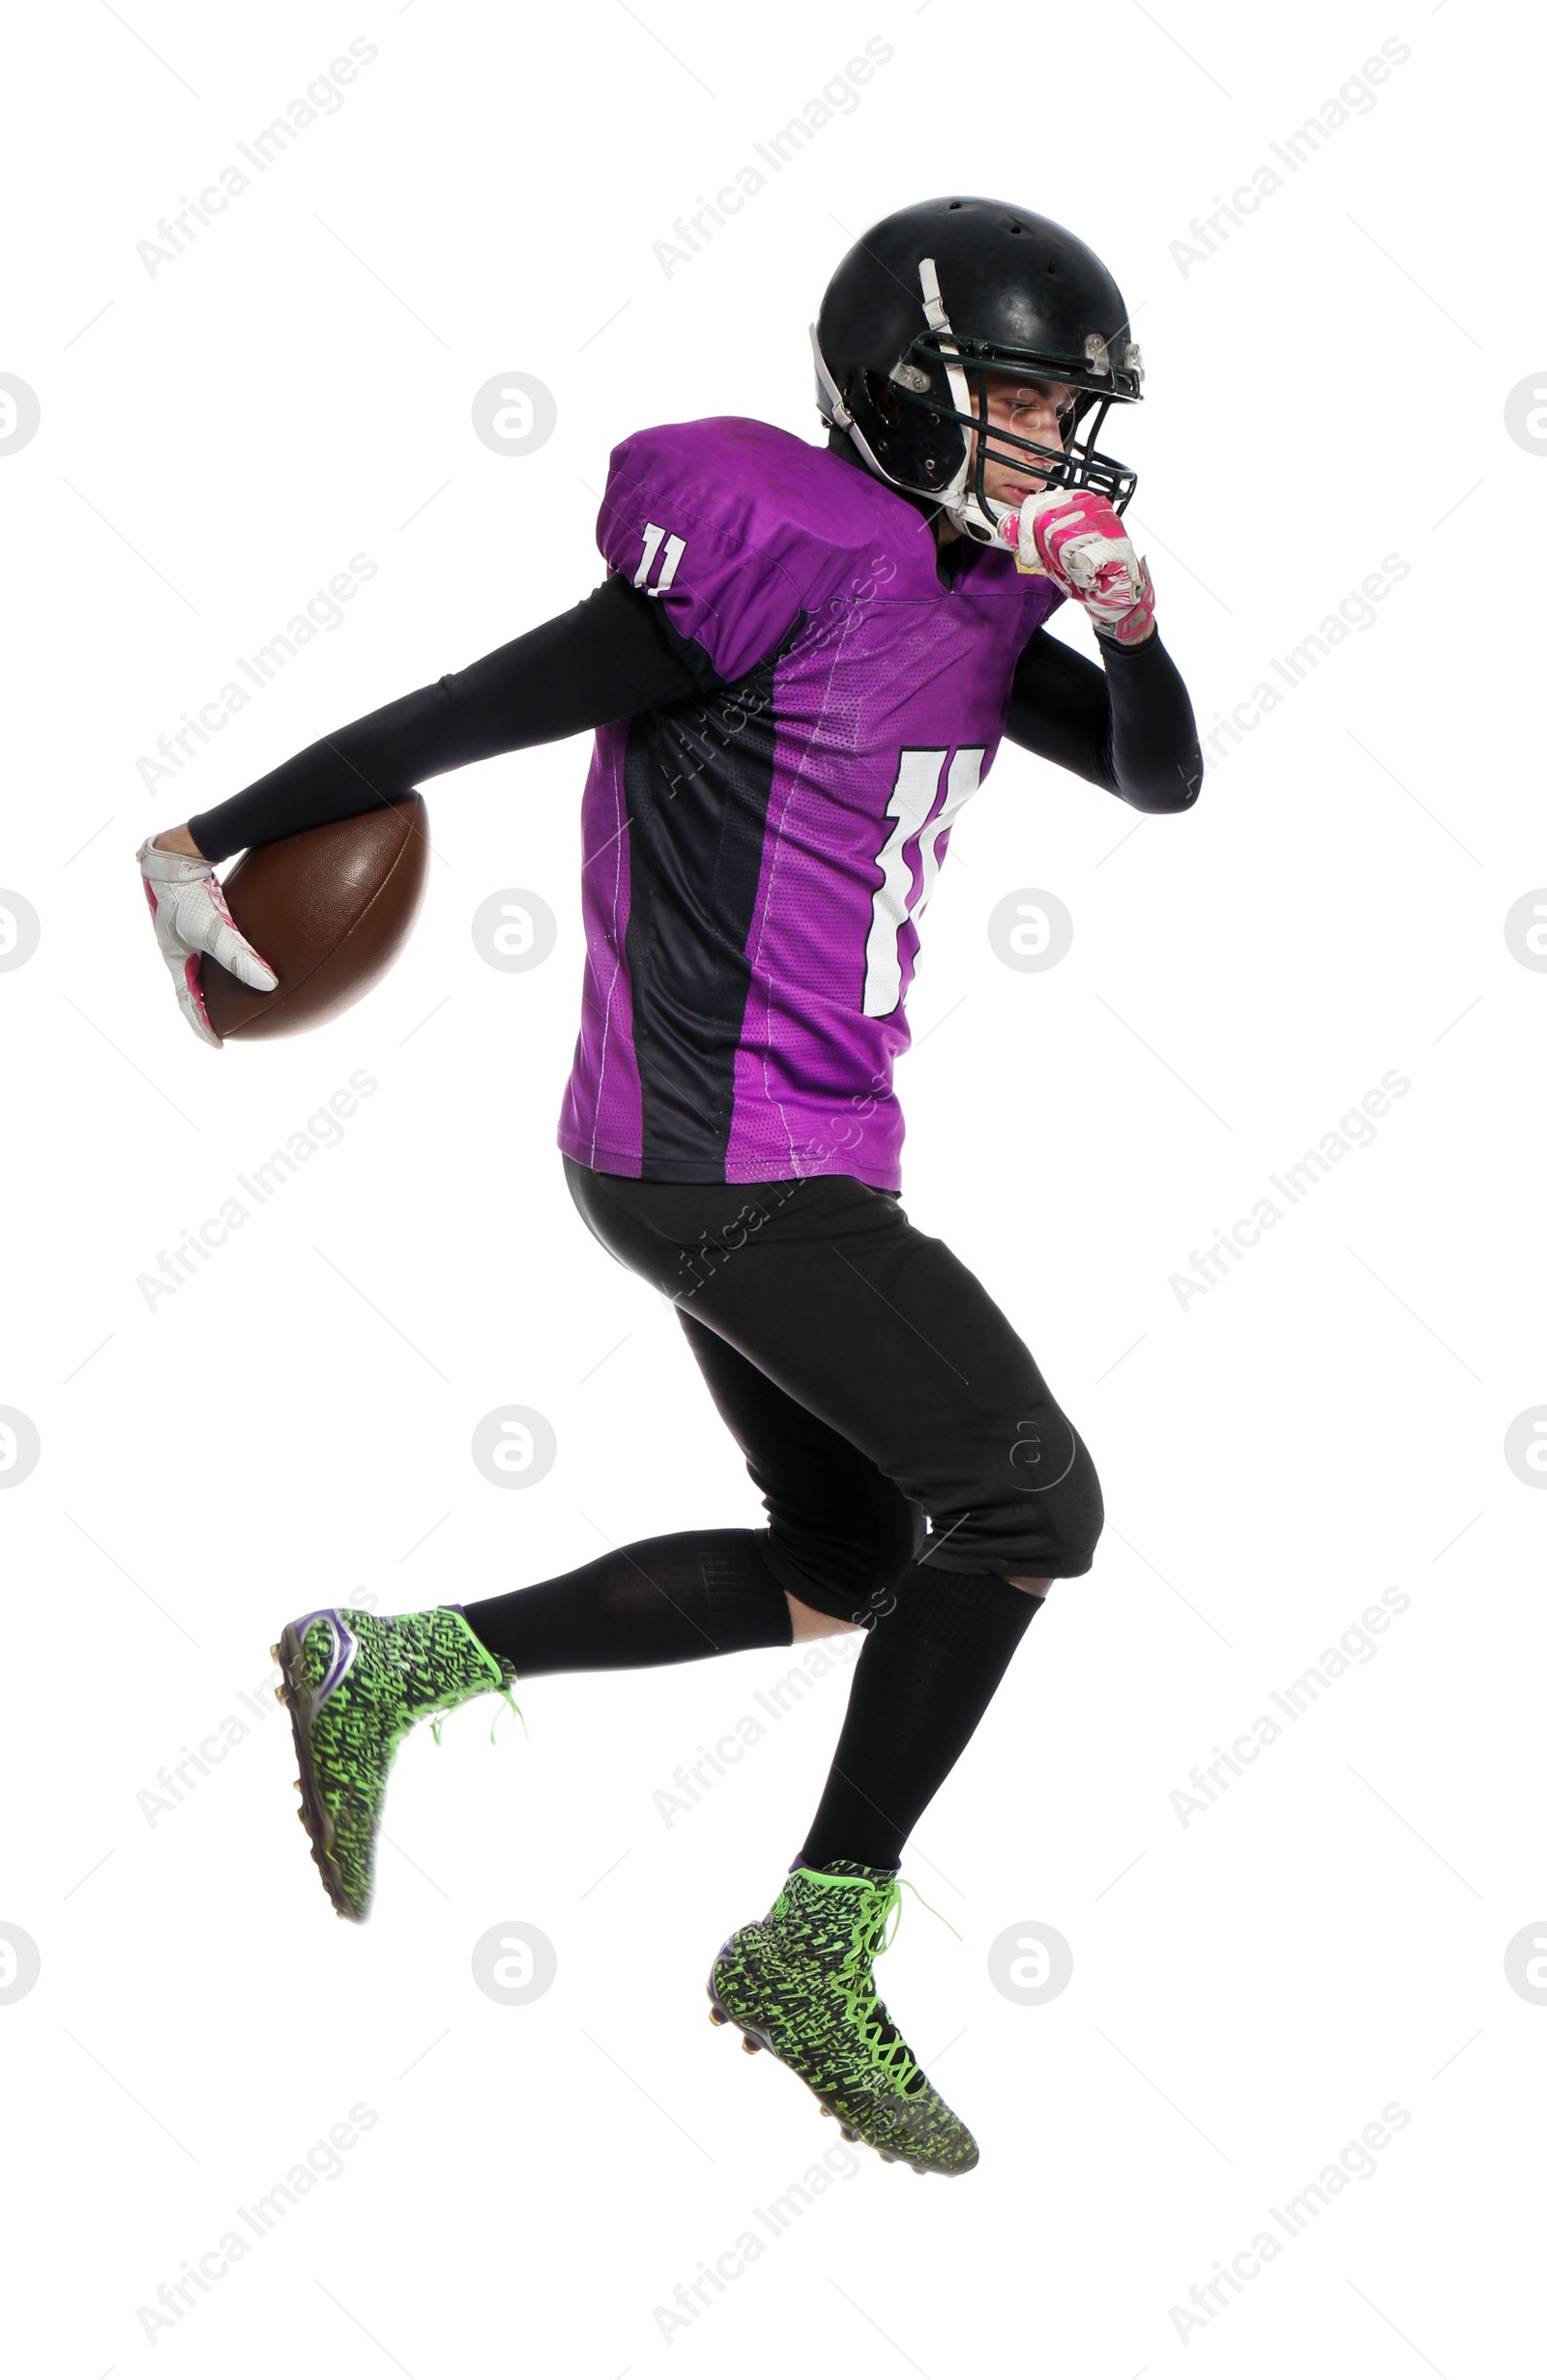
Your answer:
<point x="1053" y="1482"/>
<point x="1075" y="1515"/>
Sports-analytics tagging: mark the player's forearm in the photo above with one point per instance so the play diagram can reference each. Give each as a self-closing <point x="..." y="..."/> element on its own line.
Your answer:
<point x="611" y="656"/>
<point x="374" y="760"/>
<point x="1128" y="728"/>
<point x="1155" y="761"/>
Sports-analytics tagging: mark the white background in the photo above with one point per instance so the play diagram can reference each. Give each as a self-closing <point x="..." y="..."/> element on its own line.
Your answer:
<point x="292" y="1426"/>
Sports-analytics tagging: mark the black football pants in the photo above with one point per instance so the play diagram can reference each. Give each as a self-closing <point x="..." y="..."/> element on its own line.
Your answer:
<point x="887" y="1411"/>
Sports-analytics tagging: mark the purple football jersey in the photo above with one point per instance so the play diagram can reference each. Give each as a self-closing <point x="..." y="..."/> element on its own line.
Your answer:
<point x="756" y="860"/>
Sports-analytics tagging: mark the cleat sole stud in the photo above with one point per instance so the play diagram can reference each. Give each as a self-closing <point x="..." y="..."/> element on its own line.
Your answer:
<point x="847" y="2134"/>
<point x="886" y="2157"/>
<point x="750" y="2046"/>
<point x="717" y="2017"/>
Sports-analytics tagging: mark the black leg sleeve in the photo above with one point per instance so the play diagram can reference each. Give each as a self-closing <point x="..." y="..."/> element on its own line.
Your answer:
<point x="923" y="1680"/>
<point x="663" y="1600"/>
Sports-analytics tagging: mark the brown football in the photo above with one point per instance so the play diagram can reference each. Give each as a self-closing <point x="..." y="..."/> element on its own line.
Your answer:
<point x="330" y="910"/>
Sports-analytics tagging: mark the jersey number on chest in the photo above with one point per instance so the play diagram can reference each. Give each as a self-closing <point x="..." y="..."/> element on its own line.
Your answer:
<point x="916" y="788"/>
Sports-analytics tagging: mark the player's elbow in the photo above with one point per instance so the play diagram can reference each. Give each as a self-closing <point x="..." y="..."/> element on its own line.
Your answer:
<point x="1162" y="792"/>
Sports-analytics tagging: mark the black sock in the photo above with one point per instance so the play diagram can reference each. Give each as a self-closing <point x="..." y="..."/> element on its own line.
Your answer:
<point x="919" y="1687"/>
<point x="666" y="1599"/>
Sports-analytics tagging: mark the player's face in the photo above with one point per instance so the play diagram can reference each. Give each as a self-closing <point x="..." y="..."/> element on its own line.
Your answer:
<point x="1027" y="409"/>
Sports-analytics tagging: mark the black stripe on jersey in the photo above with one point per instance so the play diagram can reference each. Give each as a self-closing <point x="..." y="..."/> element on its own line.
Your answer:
<point x="697" y="777"/>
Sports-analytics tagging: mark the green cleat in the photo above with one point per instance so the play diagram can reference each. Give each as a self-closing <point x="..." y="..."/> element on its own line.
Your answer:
<point x="355" y="1685"/>
<point x="799" y="1984"/>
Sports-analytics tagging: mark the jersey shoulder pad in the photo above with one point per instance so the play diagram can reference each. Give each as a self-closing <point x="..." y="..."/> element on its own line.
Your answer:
<point x="736" y="527"/>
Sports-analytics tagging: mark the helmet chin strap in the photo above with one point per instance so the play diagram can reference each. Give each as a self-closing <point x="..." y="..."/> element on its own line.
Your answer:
<point x="959" y="500"/>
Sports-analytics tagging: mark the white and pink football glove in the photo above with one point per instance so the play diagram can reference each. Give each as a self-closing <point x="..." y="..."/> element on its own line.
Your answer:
<point x="191" y="919"/>
<point x="1078" y="540"/>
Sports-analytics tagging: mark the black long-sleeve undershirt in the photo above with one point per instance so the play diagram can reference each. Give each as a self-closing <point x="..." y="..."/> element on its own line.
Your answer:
<point x="613" y="655"/>
<point x="1128" y="727"/>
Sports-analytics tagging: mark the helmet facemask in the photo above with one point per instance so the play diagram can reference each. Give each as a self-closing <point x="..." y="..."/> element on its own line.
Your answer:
<point x="914" y="426"/>
<point x="955" y="374"/>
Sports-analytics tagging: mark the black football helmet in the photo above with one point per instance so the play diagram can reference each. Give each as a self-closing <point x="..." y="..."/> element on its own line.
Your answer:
<point x="928" y="304"/>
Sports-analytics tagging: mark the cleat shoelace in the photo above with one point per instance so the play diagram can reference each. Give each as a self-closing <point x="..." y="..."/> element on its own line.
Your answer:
<point x="873" y="1932"/>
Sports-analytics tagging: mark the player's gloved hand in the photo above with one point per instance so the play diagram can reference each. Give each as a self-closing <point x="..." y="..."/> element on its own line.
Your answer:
<point x="193" y="921"/>
<point x="1083" y="546"/>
